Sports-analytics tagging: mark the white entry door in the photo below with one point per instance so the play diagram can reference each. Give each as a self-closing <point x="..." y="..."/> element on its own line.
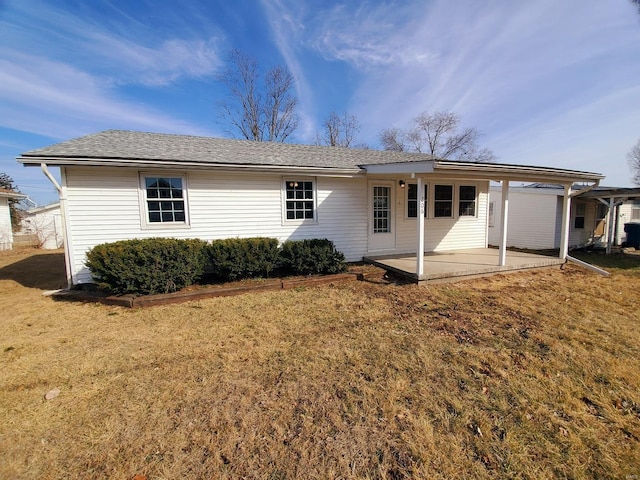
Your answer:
<point x="382" y="232"/>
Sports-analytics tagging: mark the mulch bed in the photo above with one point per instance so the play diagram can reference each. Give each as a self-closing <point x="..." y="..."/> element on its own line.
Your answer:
<point x="199" y="292"/>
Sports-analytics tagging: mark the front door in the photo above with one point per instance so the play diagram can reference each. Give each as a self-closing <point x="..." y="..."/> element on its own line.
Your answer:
<point x="382" y="235"/>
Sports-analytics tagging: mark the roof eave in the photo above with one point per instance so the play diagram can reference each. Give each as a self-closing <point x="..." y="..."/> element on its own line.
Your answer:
<point x="29" y="161"/>
<point x="496" y="171"/>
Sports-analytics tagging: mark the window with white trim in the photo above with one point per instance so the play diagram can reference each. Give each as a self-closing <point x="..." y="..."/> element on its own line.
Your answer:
<point x="578" y="222"/>
<point x="443" y="201"/>
<point x="299" y="199"/>
<point x="164" y="200"/>
<point x="467" y="201"/>
<point x="412" y="200"/>
<point x="492" y="214"/>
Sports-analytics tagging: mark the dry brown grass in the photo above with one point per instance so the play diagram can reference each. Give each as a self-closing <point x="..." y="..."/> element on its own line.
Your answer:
<point x="530" y="375"/>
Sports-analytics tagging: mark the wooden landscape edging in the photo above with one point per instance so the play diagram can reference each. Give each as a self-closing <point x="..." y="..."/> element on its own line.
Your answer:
<point x="133" y="301"/>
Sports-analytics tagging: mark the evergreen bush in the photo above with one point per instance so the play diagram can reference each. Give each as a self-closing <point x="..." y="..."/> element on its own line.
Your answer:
<point x="238" y="258"/>
<point x="147" y="266"/>
<point x="311" y="257"/>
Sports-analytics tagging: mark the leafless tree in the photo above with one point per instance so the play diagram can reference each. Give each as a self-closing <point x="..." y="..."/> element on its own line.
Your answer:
<point x="437" y="134"/>
<point x="634" y="162"/>
<point x="258" y="111"/>
<point x="339" y="131"/>
<point x="637" y="4"/>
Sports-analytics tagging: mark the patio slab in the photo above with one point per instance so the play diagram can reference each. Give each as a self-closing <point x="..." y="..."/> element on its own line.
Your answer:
<point x="461" y="264"/>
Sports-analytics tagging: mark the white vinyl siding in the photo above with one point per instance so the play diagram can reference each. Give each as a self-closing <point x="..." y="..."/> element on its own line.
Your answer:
<point x="532" y="218"/>
<point x="6" y="234"/>
<point x="446" y="233"/>
<point x="104" y="206"/>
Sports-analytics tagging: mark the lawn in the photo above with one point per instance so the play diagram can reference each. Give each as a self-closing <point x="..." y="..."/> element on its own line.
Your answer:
<point x="528" y="375"/>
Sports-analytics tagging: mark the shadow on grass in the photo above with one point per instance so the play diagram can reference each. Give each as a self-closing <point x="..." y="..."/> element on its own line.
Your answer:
<point x="44" y="271"/>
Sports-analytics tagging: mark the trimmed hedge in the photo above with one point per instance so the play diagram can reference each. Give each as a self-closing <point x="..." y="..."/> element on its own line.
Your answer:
<point x="237" y="258"/>
<point x="165" y="265"/>
<point x="147" y="266"/>
<point x="311" y="257"/>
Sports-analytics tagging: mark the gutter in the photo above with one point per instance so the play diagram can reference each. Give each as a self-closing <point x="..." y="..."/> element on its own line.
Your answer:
<point x="144" y="163"/>
<point x="62" y="193"/>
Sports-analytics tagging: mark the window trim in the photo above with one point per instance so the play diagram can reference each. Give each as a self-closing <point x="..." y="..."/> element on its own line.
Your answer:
<point x="283" y="195"/>
<point x="475" y="200"/>
<point x="427" y="188"/>
<point x="583" y="206"/>
<point x="491" y="214"/>
<point x="145" y="224"/>
<point x="453" y="200"/>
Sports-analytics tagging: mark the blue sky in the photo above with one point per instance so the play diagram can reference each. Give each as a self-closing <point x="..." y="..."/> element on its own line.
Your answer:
<point x="547" y="82"/>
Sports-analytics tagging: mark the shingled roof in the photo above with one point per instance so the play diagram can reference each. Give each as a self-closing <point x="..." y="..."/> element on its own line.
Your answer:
<point x="163" y="148"/>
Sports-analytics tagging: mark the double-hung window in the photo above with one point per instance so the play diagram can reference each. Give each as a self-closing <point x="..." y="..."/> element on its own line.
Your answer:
<point x="164" y="200"/>
<point x="299" y="200"/>
<point x="580" y="213"/>
<point x="443" y="201"/>
<point x="413" y="206"/>
<point x="467" y="201"/>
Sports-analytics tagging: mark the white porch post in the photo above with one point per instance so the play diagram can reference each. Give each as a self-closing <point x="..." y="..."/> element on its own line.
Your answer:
<point x="420" y="223"/>
<point x="504" y="215"/>
<point x="612" y="220"/>
<point x="564" y="232"/>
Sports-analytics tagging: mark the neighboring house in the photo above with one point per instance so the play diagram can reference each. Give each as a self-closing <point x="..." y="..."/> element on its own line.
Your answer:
<point x="535" y="215"/>
<point x="121" y="185"/>
<point x="46" y="223"/>
<point x="6" y="231"/>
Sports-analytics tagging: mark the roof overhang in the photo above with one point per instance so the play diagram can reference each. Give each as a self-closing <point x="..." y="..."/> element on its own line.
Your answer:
<point x="611" y="193"/>
<point x="487" y="171"/>
<point x="6" y="194"/>
<point x="29" y="161"/>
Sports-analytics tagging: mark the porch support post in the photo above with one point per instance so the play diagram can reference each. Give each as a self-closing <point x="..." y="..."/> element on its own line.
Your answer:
<point x="504" y="215"/>
<point x="564" y="232"/>
<point x="612" y="218"/>
<point x="420" y="223"/>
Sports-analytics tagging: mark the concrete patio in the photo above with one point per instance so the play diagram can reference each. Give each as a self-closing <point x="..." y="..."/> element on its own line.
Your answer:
<point x="461" y="264"/>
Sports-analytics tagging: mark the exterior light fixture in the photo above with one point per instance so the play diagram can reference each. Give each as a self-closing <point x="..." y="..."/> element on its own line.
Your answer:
<point x="401" y="183"/>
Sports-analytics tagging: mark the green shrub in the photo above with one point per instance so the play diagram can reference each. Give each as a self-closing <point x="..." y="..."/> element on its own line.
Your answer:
<point x="309" y="257"/>
<point x="147" y="266"/>
<point x="237" y="258"/>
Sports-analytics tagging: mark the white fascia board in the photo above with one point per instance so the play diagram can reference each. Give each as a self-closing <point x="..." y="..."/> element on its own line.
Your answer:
<point x="12" y="195"/>
<point x="497" y="171"/>
<point x="153" y="164"/>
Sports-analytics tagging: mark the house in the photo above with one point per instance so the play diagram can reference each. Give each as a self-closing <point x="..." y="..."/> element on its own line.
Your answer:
<point x="46" y="223"/>
<point x="535" y="215"/>
<point x="121" y="184"/>
<point x="6" y="230"/>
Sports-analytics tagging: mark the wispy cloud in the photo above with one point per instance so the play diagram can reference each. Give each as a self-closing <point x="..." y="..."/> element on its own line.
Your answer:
<point x="73" y="83"/>
<point x="122" y="55"/>
<point x="64" y="102"/>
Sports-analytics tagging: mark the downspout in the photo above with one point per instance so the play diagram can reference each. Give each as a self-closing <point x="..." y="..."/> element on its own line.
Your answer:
<point x="63" y="217"/>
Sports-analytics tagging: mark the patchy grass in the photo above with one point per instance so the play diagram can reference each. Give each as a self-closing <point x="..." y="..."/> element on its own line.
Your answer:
<point x="529" y="375"/>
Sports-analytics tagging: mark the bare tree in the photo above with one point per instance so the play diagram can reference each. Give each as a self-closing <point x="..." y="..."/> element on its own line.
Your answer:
<point x="437" y="134"/>
<point x="339" y="131"/>
<point x="634" y="162"/>
<point x="260" y="112"/>
<point x="637" y="4"/>
<point x="393" y="139"/>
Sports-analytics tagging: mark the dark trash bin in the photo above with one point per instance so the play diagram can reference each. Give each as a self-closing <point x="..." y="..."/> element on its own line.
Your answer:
<point x="633" y="235"/>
